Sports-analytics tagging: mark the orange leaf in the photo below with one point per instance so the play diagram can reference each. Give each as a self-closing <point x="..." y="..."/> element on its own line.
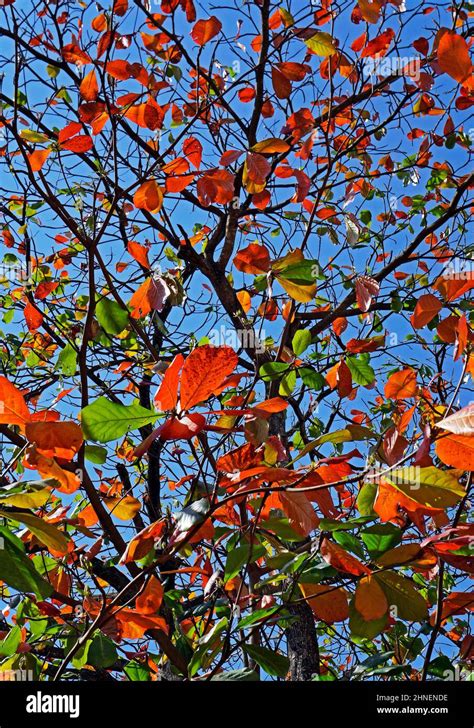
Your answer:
<point x="401" y="384"/>
<point x="452" y="287"/>
<point x="245" y="300"/>
<point x="453" y="56"/>
<point x="370" y="600"/>
<point x="78" y="144"/>
<point x="13" y="408"/>
<point x="89" y="88"/>
<point x="456" y="451"/>
<point x="151" y="295"/>
<point x="379" y="46"/>
<point x="149" y="196"/>
<point x="149" y="601"/>
<point x="298" y="510"/>
<point x="204" y="371"/>
<point x="204" y="30"/>
<point x="254" y="259"/>
<point x="49" y="468"/>
<point x="328" y="604"/>
<point x="427" y="307"/>
<point x="341" y="560"/>
<point x="73" y="54"/>
<point x="167" y="394"/>
<point x="55" y="439"/>
<point x="139" y="252"/>
<point x="38" y="158"/>
<point x="133" y="625"/>
<point x="33" y="317"/>
<point x="143" y="542"/>
<point x="192" y="149"/>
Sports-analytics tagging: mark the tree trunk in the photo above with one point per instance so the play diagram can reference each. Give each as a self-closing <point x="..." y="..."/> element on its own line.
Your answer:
<point x="303" y="650"/>
<point x="301" y="637"/>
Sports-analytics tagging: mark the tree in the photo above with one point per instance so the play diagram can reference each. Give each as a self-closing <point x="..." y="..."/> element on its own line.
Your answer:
<point x="236" y="347"/>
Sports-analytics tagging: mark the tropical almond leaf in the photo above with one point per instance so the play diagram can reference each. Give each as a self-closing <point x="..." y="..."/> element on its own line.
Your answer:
<point x="104" y="420"/>
<point x="45" y="532"/>
<point x="13" y="409"/>
<point x="329" y="604"/>
<point x="400" y="593"/>
<point x="456" y="451"/>
<point x="429" y="486"/>
<point x="204" y="370"/>
<point x="460" y="423"/>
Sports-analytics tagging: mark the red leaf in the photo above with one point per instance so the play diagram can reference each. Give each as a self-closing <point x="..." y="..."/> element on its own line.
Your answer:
<point x="254" y="259"/>
<point x="33" y="317"/>
<point x="379" y="46"/>
<point x="204" y="30"/>
<point x="167" y="394"/>
<point x="139" y="252"/>
<point x="192" y="149"/>
<point x="204" y="371"/>
<point x="337" y="557"/>
<point x="78" y="144"/>
<point x="216" y="186"/>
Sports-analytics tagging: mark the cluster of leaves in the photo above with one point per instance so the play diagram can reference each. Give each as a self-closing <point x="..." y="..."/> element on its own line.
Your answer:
<point x="237" y="340"/>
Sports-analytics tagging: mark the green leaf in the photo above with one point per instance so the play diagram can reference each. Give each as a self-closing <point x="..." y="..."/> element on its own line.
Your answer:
<point x="9" y="645"/>
<point x="96" y="454"/>
<point x="257" y="616"/>
<point x="17" y="570"/>
<point x="102" y="651"/>
<point x="136" y="672"/>
<point x="349" y="542"/>
<point x="273" y="370"/>
<point x="380" y="538"/>
<point x="301" y="341"/>
<point x="242" y="675"/>
<point x="429" y="486"/>
<point x="45" y="532"/>
<point x="237" y="557"/>
<point x="104" y="420"/>
<point x="67" y="361"/>
<point x="401" y="594"/>
<point x="366" y="499"/>
<point x="350" y="433"/>
<point x="362" y="372"/>
<point x="287" y="384"/>
<point x="111" y="316"/>
<point x="312" y="379"/>
<point x="272" y="662"/>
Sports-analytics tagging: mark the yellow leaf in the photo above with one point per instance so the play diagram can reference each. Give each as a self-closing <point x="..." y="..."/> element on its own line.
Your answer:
<point x="44" y="531"/>
<point x="271" y="146"/>
<point x="322" y="44"/>
<point x="123" y="508"/>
